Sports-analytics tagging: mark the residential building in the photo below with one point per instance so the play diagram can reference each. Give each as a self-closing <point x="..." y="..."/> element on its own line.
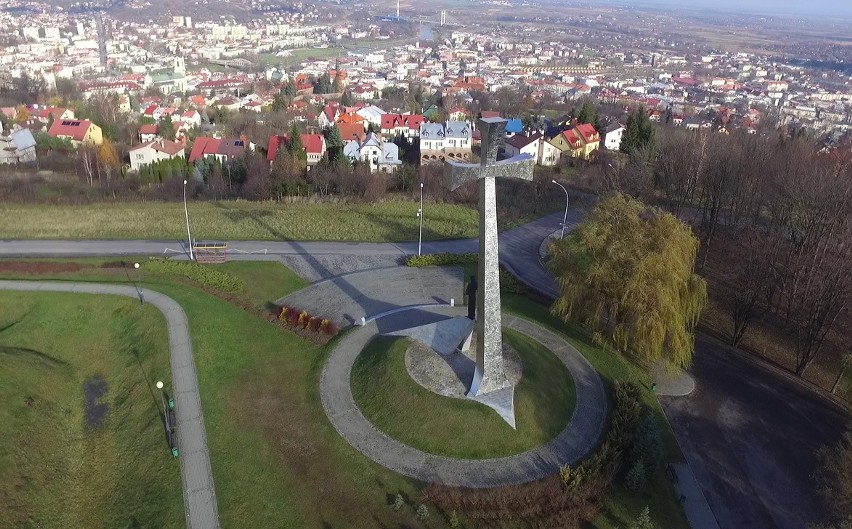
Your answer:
<point x="380" y="156"/>
<point x="222" y="149"/>
<point x="329" y="115"/>
<point x="612" y="136"/>
<point x="544" y="152"/>
<point x="351" y="132"/>
<point x="18" y="147"/>
<point x="314" y="145"/>
<point x="373" y="116"/>
<point x="77" y="131"/>
<point x="407" y="125"/>
<point x="580" y="141"/>
<point x="440" y="141"/>
<point x="154" y="151"/>
<point x="148" y="132"/>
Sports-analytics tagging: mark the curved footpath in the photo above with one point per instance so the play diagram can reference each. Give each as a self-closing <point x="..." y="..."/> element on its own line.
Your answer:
<point x="577" y="439"/>
<point x="198" y="493"/>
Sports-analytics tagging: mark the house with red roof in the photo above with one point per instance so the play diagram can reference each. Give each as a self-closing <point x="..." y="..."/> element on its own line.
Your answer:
<point x="314" y="145"/>
<point x="76" y="131"/>
<point x="222" y="149"/>
<point x="44" y="114"/>
<point x="580" y="141"/>
<point x="148" y="132"/>
<point x="329" y="115"/>
<point x="154" y="151"/>
<point x="406" y="125"/>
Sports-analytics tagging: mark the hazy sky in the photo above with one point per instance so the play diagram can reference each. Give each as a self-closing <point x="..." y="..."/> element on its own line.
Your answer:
<point x="800" y="7"/>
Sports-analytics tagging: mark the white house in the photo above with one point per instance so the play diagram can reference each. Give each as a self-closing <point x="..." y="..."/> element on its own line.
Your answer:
<point x="544" y="152"/>
<point x="440" y="141"/>
<point x="612" y="136"/>
<point x="154" y="151"/>
<point x="380" y="156"/>
<point x="18" y="147"/>
<point x="372" y="115"/>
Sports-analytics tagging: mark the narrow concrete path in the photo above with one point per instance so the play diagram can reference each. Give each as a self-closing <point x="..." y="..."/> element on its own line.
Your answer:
<point x="579" y="437"/>
<point x="199" y="496"/>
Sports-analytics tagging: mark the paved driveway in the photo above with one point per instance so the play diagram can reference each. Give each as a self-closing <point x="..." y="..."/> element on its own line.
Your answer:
<point x="749" y="434"/>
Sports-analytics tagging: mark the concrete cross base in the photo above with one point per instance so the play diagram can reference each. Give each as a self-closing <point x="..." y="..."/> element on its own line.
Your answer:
<point x="453" y="375"/>
<point x="502" y="401"/>
<point x="483" y="386"/>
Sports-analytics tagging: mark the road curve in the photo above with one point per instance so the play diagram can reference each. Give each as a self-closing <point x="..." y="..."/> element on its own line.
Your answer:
<point x="199" y="495"/>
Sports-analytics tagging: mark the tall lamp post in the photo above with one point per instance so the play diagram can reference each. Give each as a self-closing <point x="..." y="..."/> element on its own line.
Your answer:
<point x="420" y="216"/>
<point x="186" y="213"/>
<point x="163" y="399"/>
<point x="139" y="283"/>
<point x="564" y="217"/>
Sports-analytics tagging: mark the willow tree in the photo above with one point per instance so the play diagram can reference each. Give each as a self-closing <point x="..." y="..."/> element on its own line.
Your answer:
<point x="627" y="272"/>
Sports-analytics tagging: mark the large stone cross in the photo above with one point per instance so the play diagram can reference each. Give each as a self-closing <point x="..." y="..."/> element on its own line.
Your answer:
<point x="489" y="375"/>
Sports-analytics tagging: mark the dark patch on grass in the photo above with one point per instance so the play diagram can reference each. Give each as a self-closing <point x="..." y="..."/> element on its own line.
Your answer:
<point x="94" y="388"/>
<point x="26" y="351"/>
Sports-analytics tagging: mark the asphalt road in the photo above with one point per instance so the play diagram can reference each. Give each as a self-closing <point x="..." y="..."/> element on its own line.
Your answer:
<point x="749" y="434"/>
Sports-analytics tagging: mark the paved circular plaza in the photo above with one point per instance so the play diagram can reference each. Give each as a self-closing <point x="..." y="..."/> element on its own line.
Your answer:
<point x="569" y="446"/>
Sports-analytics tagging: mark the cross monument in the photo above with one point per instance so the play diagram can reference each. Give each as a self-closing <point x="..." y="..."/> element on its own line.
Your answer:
<point x="489" y="375"/>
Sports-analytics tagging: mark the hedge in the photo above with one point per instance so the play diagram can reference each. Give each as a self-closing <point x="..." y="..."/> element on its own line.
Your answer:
<point x="202" y="274"/>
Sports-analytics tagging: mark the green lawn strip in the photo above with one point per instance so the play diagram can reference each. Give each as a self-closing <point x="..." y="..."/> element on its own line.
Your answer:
<point x="620" y="506"/>
<point x="265" y="281"/>
<point x="277" y="461"/>
<point x="397" y="405"/>
<point x="392" y="220"/>
<point x="54" y="471"/>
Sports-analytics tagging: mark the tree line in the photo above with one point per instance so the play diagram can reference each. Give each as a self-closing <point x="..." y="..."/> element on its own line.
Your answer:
<point x="774" y="217"/>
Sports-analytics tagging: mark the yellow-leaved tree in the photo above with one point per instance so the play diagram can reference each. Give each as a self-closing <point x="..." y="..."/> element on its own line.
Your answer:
<point x="627" y="272"/>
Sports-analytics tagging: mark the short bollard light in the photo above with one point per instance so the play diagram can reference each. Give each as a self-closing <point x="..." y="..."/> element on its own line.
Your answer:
<point x="171" y="404"/>
<point x="174" y="452"/>
<point x="653" y="387"/>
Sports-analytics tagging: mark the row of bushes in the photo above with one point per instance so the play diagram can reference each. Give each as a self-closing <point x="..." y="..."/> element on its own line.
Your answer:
<point x="508" y="282"/>
<point x="442" y="259"/>
<point x="300" y="319"/>
<point x="567" y="499"/>
<point x="204" y="275"/>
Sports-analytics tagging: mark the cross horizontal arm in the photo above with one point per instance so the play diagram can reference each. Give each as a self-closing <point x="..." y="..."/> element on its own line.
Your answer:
<point x="457" y="174"/>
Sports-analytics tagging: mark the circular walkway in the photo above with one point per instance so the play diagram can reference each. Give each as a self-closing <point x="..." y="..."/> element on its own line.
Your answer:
<point x="569" y="446"/>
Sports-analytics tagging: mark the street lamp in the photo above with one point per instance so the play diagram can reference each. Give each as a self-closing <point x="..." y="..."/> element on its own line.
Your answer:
<point x="163" y="399"/>
<point x="186" y="213"/>
<point x="139" y="283"/>
<point x="420" y="216"/>
<point x="564" y="217"/>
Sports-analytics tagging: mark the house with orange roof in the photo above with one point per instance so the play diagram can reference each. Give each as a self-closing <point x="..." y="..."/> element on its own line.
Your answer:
<point x="351" y="131"/>
<point x="222" y="149"/>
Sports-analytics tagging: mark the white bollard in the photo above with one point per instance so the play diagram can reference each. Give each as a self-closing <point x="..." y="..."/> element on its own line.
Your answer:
<point x="452" y="302"/>
<point x="363" y="321"/>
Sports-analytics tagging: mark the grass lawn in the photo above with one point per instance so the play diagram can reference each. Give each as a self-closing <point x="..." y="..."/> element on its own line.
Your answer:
<point x="68" y="460"/>
<point x="277" y="461"/>
<point x="439" y="425"/>
<point x="238" y="220"/>
<point x="265" y="281"/>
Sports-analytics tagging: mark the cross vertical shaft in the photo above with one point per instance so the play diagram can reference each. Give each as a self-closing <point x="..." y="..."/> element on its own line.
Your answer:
<point x="489" y="374"/>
